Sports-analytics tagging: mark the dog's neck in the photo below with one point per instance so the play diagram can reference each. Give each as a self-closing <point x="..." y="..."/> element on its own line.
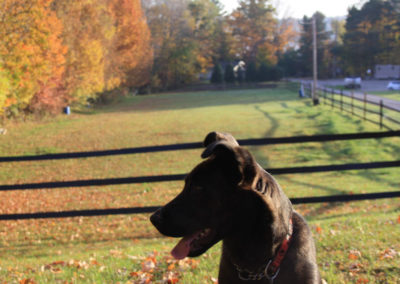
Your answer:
<point x="258" y="232"/>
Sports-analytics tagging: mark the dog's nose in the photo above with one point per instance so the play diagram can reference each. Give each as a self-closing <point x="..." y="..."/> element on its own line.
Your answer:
<point x="156" y="218"/>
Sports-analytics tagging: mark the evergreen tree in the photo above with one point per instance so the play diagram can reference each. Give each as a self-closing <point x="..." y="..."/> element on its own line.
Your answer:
<point x="229" y="75"/>
<point x="306" y="45"/>
<point x="217" y="76"/>
<point x="372" y="36"/>
<point x="263" y="73"/>
<point x="251" y="72"/>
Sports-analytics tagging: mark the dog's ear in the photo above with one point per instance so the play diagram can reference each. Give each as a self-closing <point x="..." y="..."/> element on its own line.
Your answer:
<point x="213" y="137"/>
<point x="218" y="148"/>
<point x="247" y="167"/>
<point x="213" y="140"/>
<point x="236" y="159"/>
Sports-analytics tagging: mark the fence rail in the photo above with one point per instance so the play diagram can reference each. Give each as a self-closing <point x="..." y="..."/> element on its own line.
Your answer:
<point x="197" y="145"/>
<point x="165" y="178"/>
<point x="178" y="177"/>
<point x="151" y="209"/>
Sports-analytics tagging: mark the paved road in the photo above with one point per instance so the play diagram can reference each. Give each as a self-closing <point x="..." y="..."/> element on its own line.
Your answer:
<point x="366" y="86"/>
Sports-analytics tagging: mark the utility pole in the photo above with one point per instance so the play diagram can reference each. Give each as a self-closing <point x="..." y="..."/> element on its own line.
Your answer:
<point x="315" y="66"/>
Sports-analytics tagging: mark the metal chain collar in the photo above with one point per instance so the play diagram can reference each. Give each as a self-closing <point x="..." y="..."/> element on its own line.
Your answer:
<point x="247" y="275"/>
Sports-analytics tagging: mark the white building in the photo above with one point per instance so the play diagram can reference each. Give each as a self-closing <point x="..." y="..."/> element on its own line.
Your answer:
<point x="387" y="72"/>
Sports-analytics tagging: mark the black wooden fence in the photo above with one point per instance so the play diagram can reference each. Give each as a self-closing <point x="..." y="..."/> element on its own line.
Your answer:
<point x="361" y="105"/>
<point x="176" y="177"/>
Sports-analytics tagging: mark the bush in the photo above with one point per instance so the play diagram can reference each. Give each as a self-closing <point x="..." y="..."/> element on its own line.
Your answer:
<point x="263" y="73"/>
<point x="269" y="73"/>
<point x="276" y="73"/>
<point x="217" y="77"/>
<point x="229" y="75"/>
<point x="251" y="72"/>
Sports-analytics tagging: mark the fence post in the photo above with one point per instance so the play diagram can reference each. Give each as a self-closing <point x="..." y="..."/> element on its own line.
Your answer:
<point x="324" y="95"/>
<point x="352" y="102"/>
<point x="311" y="87"/>
<point x="333" y="97"/>
<point x="381" y="114"/>
<point x="341" y="100"/>
<point x="365" y="106"/>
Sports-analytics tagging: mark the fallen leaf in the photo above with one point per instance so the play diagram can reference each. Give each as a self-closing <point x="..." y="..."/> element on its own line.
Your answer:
<point x="94" y="262"/>
<point x="141" y="277"/>
<point x="355" y="267"/>
<point x="354" y="254"/>
<point x="26" y="281"/>
<point x="170" y="277"/>
<point x="59" y="262"/>
<point x="56" y="270"/>
<point x="148" y="266"/>
<point x="388" y="253"/>
<point x="171" y="266"/>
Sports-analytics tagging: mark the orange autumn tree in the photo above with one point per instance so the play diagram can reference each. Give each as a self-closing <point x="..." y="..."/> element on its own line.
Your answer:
<point x="51" y="95"/>
<point x="31" y="55"/>
<point x="130" y="55"/>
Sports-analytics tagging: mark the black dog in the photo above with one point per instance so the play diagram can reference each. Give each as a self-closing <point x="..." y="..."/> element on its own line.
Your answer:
<point x="230" y="197"/>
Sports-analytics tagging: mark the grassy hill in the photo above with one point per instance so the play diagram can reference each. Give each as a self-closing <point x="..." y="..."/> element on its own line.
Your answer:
<point x="357" y="242"/>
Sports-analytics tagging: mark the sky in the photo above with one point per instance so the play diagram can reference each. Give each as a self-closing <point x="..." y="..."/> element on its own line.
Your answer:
<point x="299" y="8"/>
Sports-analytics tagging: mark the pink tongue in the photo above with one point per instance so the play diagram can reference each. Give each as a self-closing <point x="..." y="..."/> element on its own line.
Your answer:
<point x="182" y="249"/>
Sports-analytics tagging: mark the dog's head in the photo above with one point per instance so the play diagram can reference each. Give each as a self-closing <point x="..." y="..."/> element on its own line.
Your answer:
<point x="224" y="191"/>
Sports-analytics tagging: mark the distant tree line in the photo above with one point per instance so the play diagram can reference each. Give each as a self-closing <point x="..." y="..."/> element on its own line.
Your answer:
<point x="195" y="36"/>
<point x="369" y="35"/>
<point x="250" y="73"/>
<point x="54" y="53"/>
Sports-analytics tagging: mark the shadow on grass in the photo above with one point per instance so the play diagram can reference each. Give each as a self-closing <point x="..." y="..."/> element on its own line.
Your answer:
<point x="274" y="125"/>
<point x="265" y="160"/>
<point x="316" y="210"/>
<point x="89" y="111"/>
<point x="42" y="249"/>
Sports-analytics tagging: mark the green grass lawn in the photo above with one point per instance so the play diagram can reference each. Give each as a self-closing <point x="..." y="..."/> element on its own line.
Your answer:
<point x="394" y="95"/>
<point x="356" y="242"/>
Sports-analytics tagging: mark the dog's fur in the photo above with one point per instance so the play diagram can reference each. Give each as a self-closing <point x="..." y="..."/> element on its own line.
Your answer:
<point x="237" y="201"/>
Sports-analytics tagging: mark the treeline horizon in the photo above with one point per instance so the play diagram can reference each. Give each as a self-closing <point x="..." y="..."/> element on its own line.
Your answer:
<point x="55" y="53"/>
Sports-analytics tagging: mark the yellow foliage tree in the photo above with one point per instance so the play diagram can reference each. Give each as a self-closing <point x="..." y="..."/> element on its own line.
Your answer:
<point x="85" y="33"/>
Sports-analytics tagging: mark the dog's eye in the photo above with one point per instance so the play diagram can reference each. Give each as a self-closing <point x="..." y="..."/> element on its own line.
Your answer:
<point x="259" y="186"/>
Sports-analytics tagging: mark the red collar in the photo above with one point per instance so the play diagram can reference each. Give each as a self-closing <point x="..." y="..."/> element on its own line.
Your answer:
<point x="272" y="269"/>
